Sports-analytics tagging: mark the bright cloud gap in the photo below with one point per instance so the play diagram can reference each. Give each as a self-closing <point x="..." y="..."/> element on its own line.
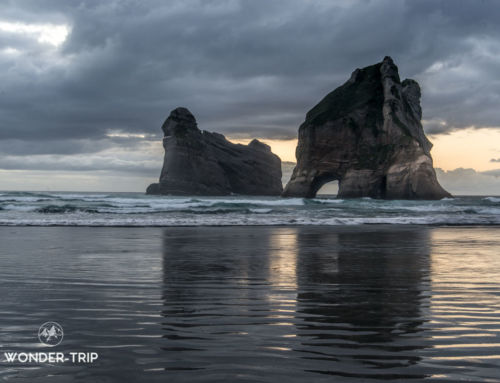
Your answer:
<point x="53" y="34"/>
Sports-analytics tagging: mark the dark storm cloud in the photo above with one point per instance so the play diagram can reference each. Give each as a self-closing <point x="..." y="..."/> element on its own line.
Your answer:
<point x="244" y="68"/>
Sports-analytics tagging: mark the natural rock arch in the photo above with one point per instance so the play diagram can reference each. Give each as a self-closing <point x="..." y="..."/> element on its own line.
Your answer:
<point x="367" y="135"/>
<point x="319" y="182"/>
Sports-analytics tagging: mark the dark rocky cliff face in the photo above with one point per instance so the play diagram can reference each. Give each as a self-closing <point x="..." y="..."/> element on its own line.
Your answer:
<point x="367" y="135"/>
<point x="201" y="163"/>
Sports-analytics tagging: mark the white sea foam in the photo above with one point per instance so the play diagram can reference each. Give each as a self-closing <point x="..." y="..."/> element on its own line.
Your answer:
<point x="426" y="208"/>
<point x="77" y="196"/>
<point x="487" y="210"/>
<point x="327" y="200"/>
<point x="492" y="199"/>
<point x="20" y="207"/>
<point x="264" y="202"/>
<point x="261" y="211"/>
<point x="24" y="198"/>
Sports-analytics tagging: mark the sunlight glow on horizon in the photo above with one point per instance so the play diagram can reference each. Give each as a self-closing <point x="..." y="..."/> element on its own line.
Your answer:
<point x="284" y="149"/>
<point x="467" y="148"/>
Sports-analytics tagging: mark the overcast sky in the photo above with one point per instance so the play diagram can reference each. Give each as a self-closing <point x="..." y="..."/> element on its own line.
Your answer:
<point x="86" y="85"/>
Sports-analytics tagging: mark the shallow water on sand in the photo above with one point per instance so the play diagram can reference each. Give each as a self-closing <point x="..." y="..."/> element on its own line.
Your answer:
<point x="254" y="303"/>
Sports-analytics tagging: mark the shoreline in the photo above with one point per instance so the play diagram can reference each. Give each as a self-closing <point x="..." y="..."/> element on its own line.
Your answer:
<point x="402" y="225"/>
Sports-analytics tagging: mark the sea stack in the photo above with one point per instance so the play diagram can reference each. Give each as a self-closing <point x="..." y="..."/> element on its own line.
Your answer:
<point x="201" y="163"/>
<point x="367" y="135"/>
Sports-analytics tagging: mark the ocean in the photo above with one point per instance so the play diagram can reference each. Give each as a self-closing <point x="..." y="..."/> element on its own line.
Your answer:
<point x="249" y="289"/>
<point x="137" y="209"/>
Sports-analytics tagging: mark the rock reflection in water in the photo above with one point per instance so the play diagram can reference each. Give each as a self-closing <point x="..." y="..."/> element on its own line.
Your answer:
<point x="318" y="300"/>
<point x="361" y="301"/>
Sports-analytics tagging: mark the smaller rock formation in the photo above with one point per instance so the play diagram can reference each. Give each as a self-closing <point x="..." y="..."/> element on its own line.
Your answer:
<point x="201" y="163"/>
<point x="367" y="135"/>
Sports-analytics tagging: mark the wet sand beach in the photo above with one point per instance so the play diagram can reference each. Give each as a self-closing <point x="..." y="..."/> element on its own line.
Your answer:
<point x="254" y="304"/>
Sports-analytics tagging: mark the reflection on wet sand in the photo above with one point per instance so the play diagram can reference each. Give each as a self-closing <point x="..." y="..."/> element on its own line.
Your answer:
<point x="465" y="303"/>
<point x="339" y="302"/>
<point x="362" y="301"/>
<point x="255" y="304"/>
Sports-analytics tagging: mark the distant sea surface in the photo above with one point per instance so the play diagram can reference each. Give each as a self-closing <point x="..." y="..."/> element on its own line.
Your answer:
<point x="137" y="209"/>
<point x="357" y="303"/>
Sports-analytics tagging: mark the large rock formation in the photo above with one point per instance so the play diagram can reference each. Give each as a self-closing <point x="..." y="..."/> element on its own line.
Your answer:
<point x="367" y="135"/>
<point x="202" y="163"/>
